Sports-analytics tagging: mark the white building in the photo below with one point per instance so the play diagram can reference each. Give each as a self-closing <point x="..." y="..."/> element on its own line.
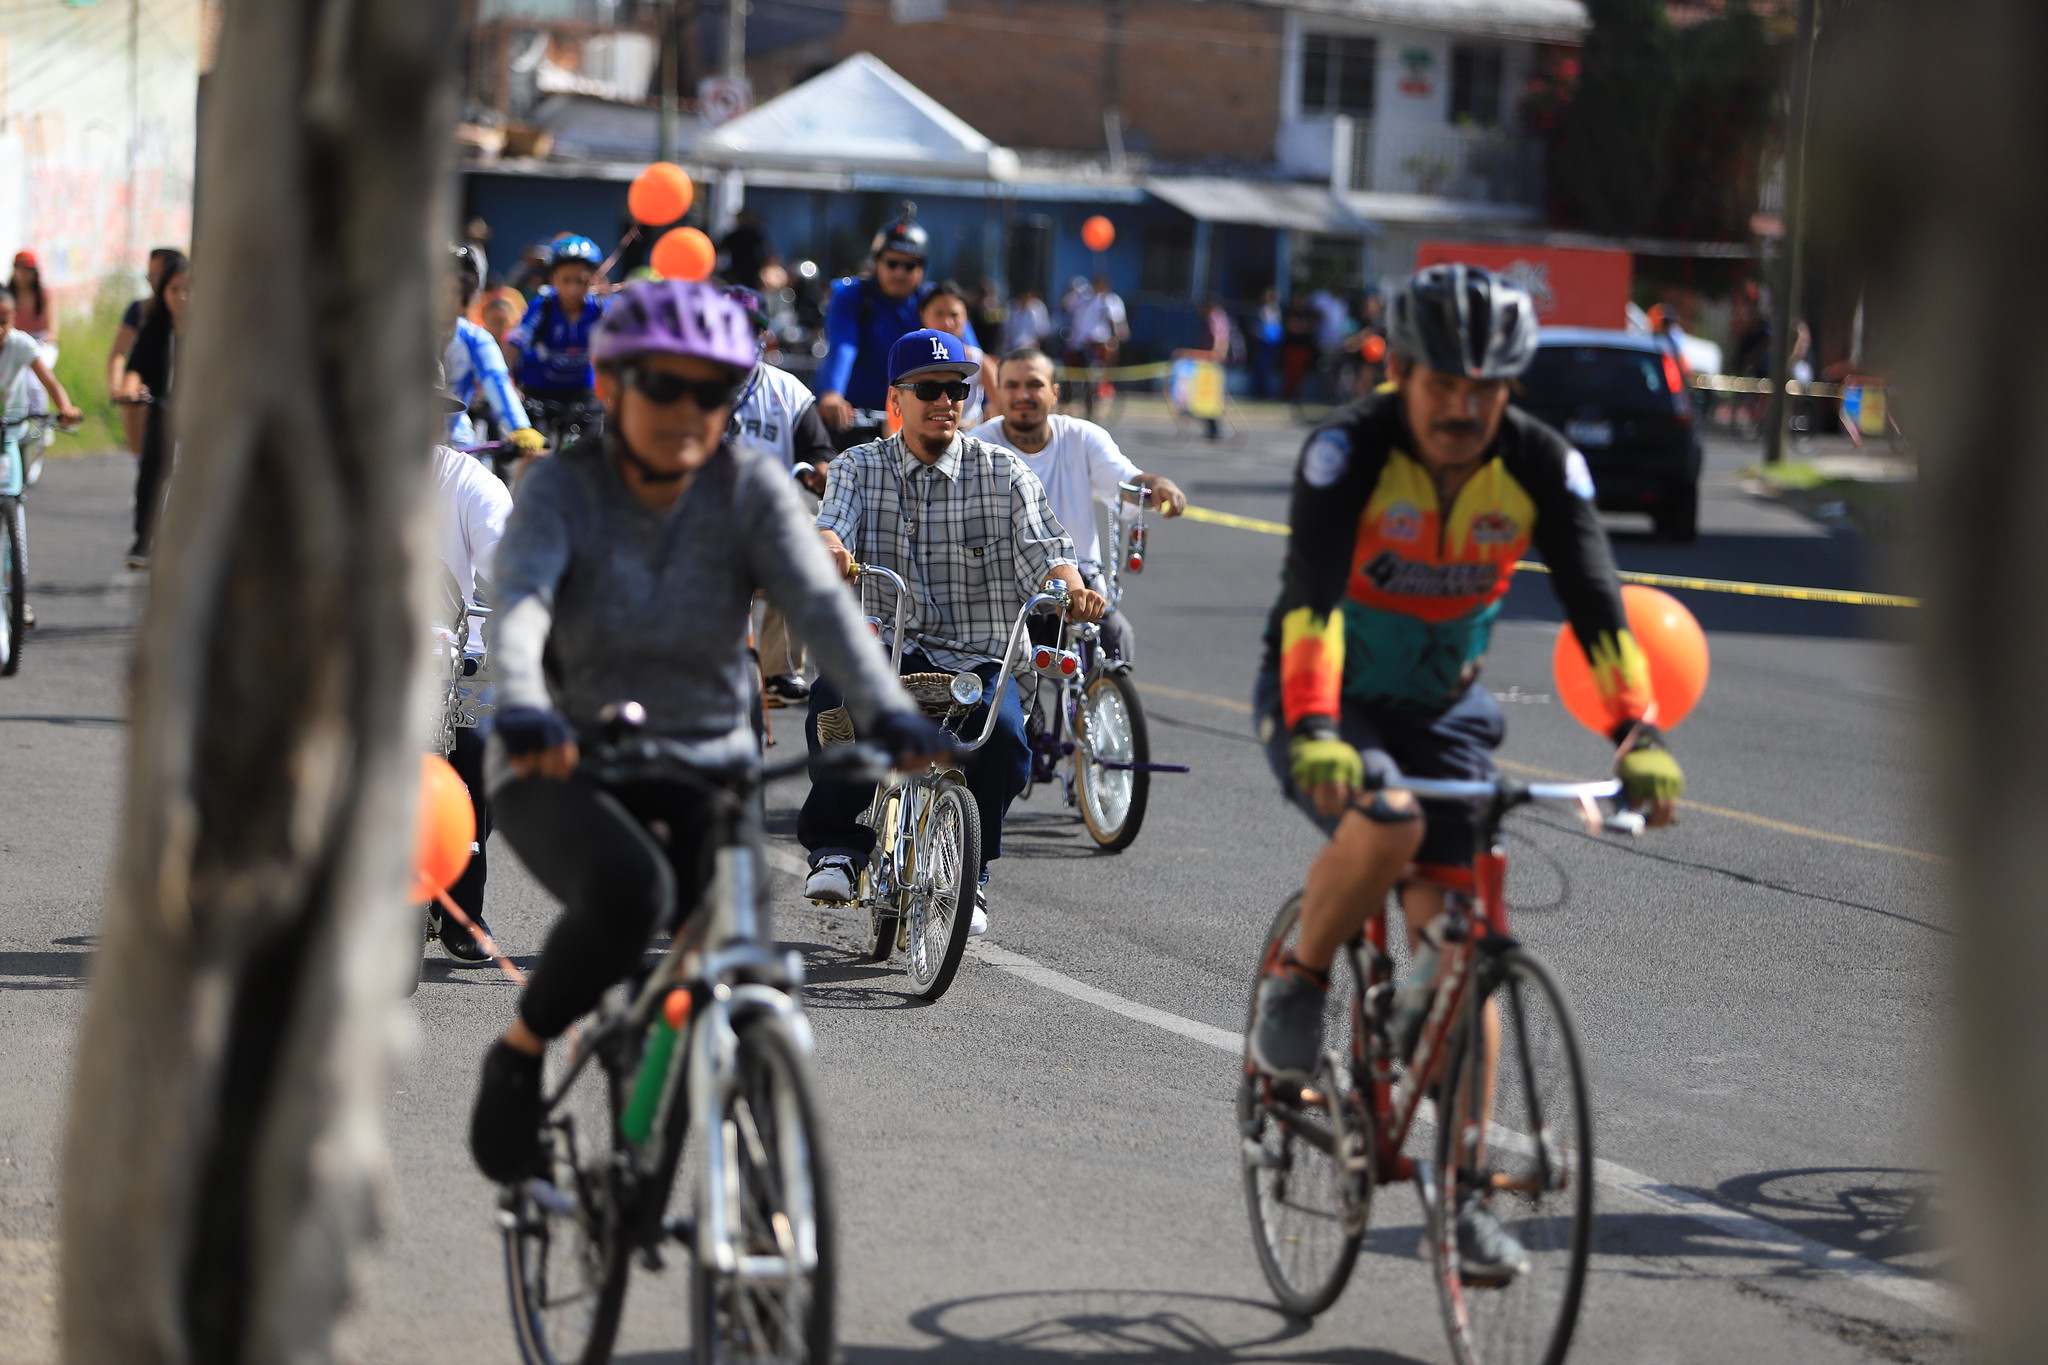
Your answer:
<point x="1410" y="109"/>
<point x="98" y="122"/>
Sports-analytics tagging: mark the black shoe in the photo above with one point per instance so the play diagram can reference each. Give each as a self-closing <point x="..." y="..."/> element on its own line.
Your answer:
<point x="459" y="943"/>
<point x="787" y="687"/>
<point x="504" y="1128"/>
<point x="1286" y="1038"/>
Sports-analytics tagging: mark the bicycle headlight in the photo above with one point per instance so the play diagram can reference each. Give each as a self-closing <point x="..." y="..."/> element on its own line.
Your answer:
<point x="966" y="688"/>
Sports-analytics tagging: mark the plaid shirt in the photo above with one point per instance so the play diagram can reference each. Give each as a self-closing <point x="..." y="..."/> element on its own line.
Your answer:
<point x="972" y="534"/>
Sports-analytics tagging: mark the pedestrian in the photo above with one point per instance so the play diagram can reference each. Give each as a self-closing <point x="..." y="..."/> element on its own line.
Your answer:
<point x="151" y="377"/>
<point x="1266" y="363"/>
<point x="1101" y="327"/>
<point x="746" y="251"/>
<point x="1298" y="326"/>
<point x="133" y="416"/>
<point x="1222" y="345"/>
<point x="1028" y="323"/>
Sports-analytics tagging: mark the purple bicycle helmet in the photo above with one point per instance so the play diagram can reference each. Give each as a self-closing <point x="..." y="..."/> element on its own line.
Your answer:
<point x="674" y="317"/>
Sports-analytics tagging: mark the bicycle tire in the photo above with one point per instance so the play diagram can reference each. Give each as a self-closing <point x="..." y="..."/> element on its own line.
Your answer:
<point x="949" y="844"/>
<point x="776" y="1162"/>
<point x="1112" y="802"/>
<point x="14" y="583"/>
<point x="584" y="1242"/>
<point x="883" y="920"/>
<point x="1537" y="1159"/>
<point x="1304" y="1247"/>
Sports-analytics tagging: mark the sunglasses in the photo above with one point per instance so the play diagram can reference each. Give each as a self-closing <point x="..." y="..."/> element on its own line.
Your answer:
<point x="899" y="263"/>
<point x="665" y="387"/>
<point x="931" y="390"/>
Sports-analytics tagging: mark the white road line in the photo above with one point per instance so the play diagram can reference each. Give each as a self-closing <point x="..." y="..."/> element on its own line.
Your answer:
<point x="1927" y="1295"/>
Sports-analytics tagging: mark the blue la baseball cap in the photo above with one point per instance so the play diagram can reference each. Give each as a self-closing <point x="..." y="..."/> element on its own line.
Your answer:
<point x="929" y="354"/>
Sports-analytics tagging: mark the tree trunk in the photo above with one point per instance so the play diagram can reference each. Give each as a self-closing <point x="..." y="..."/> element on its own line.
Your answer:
<point x="1936" y="167"/>
<point x="225" y="1137"/>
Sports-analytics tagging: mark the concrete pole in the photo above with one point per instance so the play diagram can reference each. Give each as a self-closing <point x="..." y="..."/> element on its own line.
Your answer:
<point x="736" y="39"/>
<point x="671" y="62"/>
<point x="1790" y="283"/>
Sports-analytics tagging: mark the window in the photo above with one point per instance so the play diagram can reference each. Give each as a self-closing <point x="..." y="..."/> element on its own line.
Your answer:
<point x="1475" y="85"/>
<point x="1337" y="74"/>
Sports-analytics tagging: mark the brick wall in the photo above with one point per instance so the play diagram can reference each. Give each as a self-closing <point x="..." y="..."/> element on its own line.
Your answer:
<point x="1194" y="78"/>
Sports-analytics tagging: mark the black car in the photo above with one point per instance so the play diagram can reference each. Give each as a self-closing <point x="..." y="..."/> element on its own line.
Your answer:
<point x="1621" y="398"/>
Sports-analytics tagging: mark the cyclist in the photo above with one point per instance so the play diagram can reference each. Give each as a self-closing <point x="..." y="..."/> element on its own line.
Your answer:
<point x="776" y="416"/>
<point x="550" y="348"/>
<point x="20" y="354"/>
<point x="1409" y="511"/>
<point x="470" y="508"/>
<point x="1079" y="464"/>
<point x="148" y="378"/>
<point x="474" y="365"/>
<point x="865" y="317"/>
<point x="626" y="572"/>
<point x="967" y="526"/>
<point x="945" y="309"/>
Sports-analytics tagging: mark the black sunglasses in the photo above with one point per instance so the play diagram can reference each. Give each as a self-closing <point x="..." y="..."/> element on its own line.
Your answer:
<point x="930" y="390"/>
<point x="665" y="387"/>
<point x="899" y="263"/>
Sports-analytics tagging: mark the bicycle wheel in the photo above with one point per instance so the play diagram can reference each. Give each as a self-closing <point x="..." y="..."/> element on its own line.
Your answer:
<point x="883" y="919"/>
<point x="565" y="1260"/>
<point x="776" y="1302"/>
<point x="13" y="584"/>
<point x="942" y="902"/>
<point x="1308" y="1211"/>
<point x="1532" y="1157"/>
<point x="1112" y="729"/>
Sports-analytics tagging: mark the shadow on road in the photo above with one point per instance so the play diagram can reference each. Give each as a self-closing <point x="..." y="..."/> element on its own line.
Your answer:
<point x="43" y="971"/>
<point x="1880" y="1213"/>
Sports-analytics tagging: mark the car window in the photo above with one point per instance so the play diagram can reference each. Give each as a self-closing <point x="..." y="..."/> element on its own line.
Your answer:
<point x="1603" y="376"/>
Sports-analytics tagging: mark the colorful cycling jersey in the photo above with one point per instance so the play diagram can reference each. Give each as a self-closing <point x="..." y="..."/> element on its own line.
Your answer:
<point x="861" y="324"/>
<point x="475" y="366"/>
<point x="1388" y="599"/>
<point x="554" y="348"/>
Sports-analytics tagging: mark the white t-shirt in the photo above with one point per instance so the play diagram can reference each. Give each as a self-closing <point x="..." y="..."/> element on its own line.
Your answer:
<point x="767" y="420"/>
<point x="472" y="505"/>
<point x="1098" y="318"/>
<point x="1079" y="467"/>
<point x="18" y="351"/>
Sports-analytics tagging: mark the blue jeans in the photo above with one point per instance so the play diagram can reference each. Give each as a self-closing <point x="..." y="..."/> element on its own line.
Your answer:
<point x="996" y="773"/>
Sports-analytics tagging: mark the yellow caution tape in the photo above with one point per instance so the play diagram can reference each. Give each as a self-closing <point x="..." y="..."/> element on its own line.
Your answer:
<point x="1654" y="580"/>
<point x="1125" y="375"/>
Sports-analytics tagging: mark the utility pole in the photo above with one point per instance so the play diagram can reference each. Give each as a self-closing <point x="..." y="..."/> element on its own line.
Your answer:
<point x="736" y="39"/>
<point x="1792" y="253"/>
<point x="671" y="41"/>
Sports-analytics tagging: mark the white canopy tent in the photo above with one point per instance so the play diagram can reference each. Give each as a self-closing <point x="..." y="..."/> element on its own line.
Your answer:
<point x="860" y="115"/>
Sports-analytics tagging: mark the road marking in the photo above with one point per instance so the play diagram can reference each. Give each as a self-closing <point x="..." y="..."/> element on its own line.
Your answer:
<point x="1655" y="580"/>
<point x="1723" y="1221"/>
<point x="1526" y="770"/>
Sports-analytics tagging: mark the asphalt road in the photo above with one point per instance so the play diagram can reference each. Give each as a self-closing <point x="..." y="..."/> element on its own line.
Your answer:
<point x="1025" y="1174"/>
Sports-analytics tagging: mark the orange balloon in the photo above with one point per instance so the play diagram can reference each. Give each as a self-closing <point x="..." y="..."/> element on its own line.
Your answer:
<point x="447" y="828"/>
<point x="684" y="253"/>
<point x="660" y="194"/>
<point x="1673" y="643"/>
<point x="1098" y="232"/>
<point x="1375" y="349"/>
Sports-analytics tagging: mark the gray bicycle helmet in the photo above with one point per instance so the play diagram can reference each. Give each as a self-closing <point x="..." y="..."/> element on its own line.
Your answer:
<point x="904" y="236"/>
<point x="1463" y="320"/>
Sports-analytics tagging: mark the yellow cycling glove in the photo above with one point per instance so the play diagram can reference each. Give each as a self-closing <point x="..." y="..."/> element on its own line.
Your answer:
<point x="1314" y="760"/>
<point x="1646" y="768"/>
<point x="529" y="441"/>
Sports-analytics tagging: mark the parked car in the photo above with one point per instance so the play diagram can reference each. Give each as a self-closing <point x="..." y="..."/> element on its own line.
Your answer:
<point x="1621" y="398"/>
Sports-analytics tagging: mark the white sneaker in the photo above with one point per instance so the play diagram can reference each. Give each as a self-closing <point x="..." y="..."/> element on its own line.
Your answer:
<point x="978" y="926"/>
<point x="831" y="881"/>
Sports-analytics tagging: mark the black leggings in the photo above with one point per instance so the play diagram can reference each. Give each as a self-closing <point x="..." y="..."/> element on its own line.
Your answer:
<point x="595" y="849"/>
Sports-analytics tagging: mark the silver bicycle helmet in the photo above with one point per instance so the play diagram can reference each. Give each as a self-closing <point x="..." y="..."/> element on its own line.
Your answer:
<point x="1463" y="320"/>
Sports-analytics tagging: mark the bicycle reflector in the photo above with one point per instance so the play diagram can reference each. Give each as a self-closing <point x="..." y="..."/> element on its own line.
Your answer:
<point x="1136" y="562"/>
<point x="875" y="626"/>
<point x="1055" y="663"/>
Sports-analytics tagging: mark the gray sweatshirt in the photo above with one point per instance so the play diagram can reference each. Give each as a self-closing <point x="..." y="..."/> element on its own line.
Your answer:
<point x="603" y="600"/>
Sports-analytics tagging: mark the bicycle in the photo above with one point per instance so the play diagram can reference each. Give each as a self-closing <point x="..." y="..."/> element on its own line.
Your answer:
<point x="563" y="421"/>
<point x="16" y="433"/>
<point x="1313" y="1155"/>
<point x="926" y="864"/>
<point x="1093" y="741"/>
<point x="711" y="1041"/>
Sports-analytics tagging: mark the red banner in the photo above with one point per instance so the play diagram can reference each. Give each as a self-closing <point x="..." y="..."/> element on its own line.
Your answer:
<point x="1572" y="286"/>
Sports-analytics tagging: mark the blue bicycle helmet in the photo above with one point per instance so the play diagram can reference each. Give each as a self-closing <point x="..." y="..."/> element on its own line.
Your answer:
<point x="574" y="251"/>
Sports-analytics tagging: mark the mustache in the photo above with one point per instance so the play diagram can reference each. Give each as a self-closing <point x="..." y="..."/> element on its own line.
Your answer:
<point x="1456" y="426"/>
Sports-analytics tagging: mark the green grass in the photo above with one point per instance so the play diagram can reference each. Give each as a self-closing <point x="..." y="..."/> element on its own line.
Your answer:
<point x="83" y="336"/>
